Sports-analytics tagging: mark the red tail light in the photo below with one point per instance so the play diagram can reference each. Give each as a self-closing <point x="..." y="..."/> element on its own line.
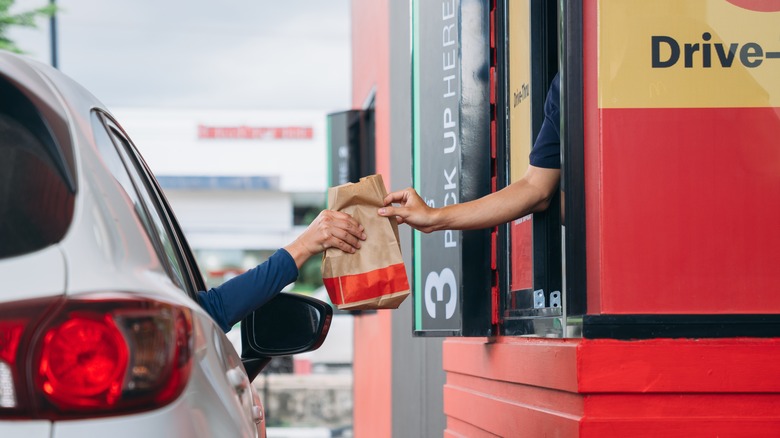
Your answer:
<point x="103" y="355"/>
<point x="83" y="362"/>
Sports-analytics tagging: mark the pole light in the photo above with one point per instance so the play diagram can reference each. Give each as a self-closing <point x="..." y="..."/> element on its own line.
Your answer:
<point x="53" y="32"/>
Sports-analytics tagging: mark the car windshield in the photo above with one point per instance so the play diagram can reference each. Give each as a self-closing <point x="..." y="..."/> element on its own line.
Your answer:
<point x="36" y="203"/>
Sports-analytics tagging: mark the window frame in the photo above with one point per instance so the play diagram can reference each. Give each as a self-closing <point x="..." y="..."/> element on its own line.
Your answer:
<point x="142" y="178"/>
<point x="518" y="313"/>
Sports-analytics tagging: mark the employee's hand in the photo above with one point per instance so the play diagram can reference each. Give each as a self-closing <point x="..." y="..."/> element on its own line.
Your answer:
<point x="331" y="229"/>
<point x="412" y="211"/>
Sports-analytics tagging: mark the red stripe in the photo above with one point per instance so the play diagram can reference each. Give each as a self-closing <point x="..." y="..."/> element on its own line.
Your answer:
<point x="373" y="284"/>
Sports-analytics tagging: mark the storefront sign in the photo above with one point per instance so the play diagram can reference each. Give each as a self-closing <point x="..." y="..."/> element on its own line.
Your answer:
<point x="692" y="54"/>
<point x="451" y="162"/>
<point x="243" y="132"/>
<point x="519" y="136"/>
<point x="688" y="160"/>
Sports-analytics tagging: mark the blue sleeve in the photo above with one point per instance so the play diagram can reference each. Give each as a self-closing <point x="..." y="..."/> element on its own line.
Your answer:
<point x="241" y="295"/>
<point x="546" y="151"/>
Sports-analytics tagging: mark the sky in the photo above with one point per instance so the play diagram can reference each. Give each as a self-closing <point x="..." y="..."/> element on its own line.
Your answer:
<point x="196" y="54"/>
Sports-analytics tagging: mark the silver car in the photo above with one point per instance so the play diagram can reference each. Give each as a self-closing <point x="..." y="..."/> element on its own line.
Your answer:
<point x="100" y="331"/>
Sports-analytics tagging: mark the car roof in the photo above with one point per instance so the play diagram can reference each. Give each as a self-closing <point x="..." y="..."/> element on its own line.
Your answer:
<point x="104" y="247"/>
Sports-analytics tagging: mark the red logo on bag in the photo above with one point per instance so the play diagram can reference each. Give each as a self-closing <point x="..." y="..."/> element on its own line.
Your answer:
<point x="757" y="5"/>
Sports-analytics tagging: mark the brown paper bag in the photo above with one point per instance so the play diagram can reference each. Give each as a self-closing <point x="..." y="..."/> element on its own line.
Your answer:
<point x="374" y="277"/>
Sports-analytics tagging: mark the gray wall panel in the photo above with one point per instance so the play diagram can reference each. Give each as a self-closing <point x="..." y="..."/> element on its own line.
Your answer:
<point x="418" y="377"/>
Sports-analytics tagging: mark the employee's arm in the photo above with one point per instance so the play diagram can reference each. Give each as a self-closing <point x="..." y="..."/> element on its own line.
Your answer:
<point x="532" y="193"/>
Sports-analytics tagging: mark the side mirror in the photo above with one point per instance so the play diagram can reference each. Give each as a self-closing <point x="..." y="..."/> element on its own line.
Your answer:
<point x="288" y="324"/>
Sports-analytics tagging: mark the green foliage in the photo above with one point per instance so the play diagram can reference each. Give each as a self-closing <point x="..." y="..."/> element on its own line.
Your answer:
<point x="309" y="276"/>
<point x="22" y="19"/>
<point x="311" y="214"/>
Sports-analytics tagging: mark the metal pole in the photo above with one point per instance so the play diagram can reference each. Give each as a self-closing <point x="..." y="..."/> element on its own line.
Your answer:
<point x="53" y="32"/>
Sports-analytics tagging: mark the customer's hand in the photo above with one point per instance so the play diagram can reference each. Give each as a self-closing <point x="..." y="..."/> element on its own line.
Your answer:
<point x="412" y="211"/>
<point x="331" y="229"/>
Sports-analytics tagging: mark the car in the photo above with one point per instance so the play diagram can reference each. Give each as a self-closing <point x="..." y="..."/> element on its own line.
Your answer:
<point x="101" y="333"/>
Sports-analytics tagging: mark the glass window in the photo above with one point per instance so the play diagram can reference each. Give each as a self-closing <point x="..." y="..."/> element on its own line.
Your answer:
<point x="531" y="278"/>
<point x="146" y="208"/>
<point x="36" y="202"/>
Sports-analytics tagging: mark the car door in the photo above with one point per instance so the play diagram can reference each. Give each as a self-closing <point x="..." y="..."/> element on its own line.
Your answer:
<point x="183" y="269"/>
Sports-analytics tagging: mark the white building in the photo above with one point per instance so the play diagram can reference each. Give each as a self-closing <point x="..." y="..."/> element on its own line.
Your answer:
<point x="240" y="182"/>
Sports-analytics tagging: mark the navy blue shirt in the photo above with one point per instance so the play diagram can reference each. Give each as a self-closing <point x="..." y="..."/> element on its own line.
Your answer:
<point x="546" y="151"/>
<point x="236" y="298"/>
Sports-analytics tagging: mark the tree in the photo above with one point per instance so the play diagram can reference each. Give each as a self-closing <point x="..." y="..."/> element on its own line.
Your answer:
<point x="24" y="19"/>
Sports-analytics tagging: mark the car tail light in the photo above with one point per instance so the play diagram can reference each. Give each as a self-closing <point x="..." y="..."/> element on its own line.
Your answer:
<point x="10" y="333"/>
<point x="102" y="355"/>
<point x="83" y="362"/>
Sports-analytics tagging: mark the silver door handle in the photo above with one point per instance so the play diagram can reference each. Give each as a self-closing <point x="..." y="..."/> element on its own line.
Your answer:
<point x="238" y="379"/>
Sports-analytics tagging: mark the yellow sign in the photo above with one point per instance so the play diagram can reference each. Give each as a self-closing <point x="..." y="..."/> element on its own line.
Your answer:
<point x="687" y="54"/>
<point x="519" y="88"/>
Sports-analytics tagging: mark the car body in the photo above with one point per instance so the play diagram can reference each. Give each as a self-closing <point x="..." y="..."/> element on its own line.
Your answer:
<point x="100" y="330"/>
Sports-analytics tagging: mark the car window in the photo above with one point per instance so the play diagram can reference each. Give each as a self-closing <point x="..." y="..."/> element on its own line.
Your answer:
<point x="113" y="148"/>
<point x="161" y="203"/>
<point x="186" y="251"/>
<point x="37" y="197"/>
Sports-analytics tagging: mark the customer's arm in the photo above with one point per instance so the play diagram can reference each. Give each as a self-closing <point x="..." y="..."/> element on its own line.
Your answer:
<point x="331" y="229"/>
<point x="236" y="298"/>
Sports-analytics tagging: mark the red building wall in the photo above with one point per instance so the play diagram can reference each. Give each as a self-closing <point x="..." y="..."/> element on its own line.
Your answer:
<point x="372" y="350"/>
<point x="538" y="387"/>
<point x="523" y="387"/>
<point x="664" y="236"/>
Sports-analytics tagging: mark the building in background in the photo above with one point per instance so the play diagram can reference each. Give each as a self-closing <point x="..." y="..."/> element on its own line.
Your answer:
<point x="243" y="183"/>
